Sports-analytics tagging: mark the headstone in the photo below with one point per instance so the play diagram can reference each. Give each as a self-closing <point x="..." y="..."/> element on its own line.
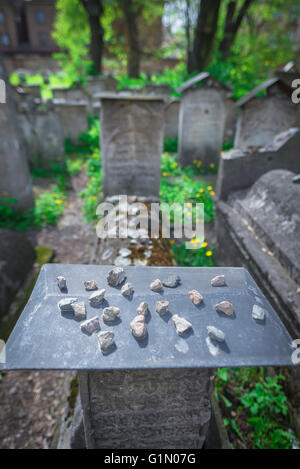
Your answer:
<point x="202" y="120"/>
<point x="262" y="118"/>
<point x="145" y="408"/>
<point x="70" y="94"/>
<point x="171" y="118"/>
<point x="73" y="117"/>
<point x="131" y="144"/>
<point x="15" y="180"/>
<point x="231" y="120"/>
<point x="33" y="90"/>
<point x="159" y="89"/>
<point x="100" y="83"/>
<point x="239" y="170"/>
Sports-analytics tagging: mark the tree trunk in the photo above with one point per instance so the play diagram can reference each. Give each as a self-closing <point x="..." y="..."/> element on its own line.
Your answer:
<point x="132" y="33"/>
<point x="232" y="25"/>
<point x="188" y="35"/>
<point x="205" y="33"/>
<point x="94" y="9"/>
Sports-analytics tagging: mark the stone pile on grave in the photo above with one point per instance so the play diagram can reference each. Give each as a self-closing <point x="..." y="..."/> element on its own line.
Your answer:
<point x="202" y="119"/>
<point x="261" y="118"/>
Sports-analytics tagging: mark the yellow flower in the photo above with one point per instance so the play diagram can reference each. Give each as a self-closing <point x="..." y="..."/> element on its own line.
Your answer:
<point x="175" y="164"/>
<point x="212" y="165"/>
<point x="201" y="190"/>
<point x="172" y="241"/>
<point x="164" y="174"/>
<point x="209" y="188"/>
<point x="95" y="155"/>
<point x="196" y="240"/>
<point x="197" y="195"/>
<point x="212" y="192"/>
<point x="58" y="201"/>
<point x="94" y="198"/>
<point x="204" y="245"/>
<point x="209" y="253"/>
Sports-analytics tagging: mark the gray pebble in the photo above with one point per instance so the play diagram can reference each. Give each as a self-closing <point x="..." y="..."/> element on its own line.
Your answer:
<point x="181" y="324"/>
<point x="110" y="314"/>
<point x="218" y="281"/>
<point x="142" y="308"/>
<point x="61" y="282"/>
<point x="127" y="289"/>
<point x="172" y="281"/>
<point x="66" y="304"/>
<point x="138" y="327"/>
<point x="156" y="285"/>
<point x="258" y="313"/>
<point x="106" y="340"/>
<point x="90" y="285"/>
<point x="90" y="325"/>
<point x="195" y="297"/>
<point x="224" y="307"/>
<point x="116" y="276"/>
<point x="161" y="307"/>
<point x="79" y="309"/>
<point x="215" y="333"/>
<point x="97" y="296"/>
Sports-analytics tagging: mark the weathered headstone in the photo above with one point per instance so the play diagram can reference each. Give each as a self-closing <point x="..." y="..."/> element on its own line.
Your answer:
<point x="261" y="118"/>
<point x="100" y="83"/>
<point x="202" y="119"/>
<point x="70" y="94"/>
<point x="131" y="144"/>
<point x="73" y="117"/>
<point x="15" y="180"/>
<point x="159" y="89"/>
<point x="239" y="170"/>
<point x="171" y="118"/>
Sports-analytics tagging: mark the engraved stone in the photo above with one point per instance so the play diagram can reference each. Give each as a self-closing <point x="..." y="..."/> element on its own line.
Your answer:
<point x="172" y="281"/>
<point x="110" y="314"/>
<point x="61" y="282"/>
<point x="215" y="333"/>
<point x="116" y="276"/>
<point x="66" y="304"/>
<point x="90" y="325"/>
<point x="106" y="340"/>
<point x="218" y="281"/>
<point x="181" y="324"/>
<point x="156" y="285"/>
<point x="161" y="307"/>
<point x="142" y="308"/>
<point x="258" y="313"/>
<point x="138" y="327"/>
<point x="225" y="307"/>
<point x="97" y="296"/>
<point x="195" y="297"/>
<point x="90" y="285"/>
<point x="79" y="309"/>
<point x="127" y="289"/>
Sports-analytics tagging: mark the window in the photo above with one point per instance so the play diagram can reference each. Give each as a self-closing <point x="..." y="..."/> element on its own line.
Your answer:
<point x="43" y="38"/>
<point x="5" y="41"/>
<point x="2" y="18"/>
<point x="40" y="16"/>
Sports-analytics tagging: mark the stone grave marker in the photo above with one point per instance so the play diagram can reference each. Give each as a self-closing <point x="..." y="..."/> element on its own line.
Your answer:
<point x="73" y="117"/>
<point x="131" y="144"/>
<point x="171" y="118"/>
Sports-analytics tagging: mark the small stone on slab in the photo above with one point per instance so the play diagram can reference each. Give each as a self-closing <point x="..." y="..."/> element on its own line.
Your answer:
<point x="110" y="314"/>
<point x="218" y="281"/>
<point x="138" y="327"/>
<point x="181" y="324"/>
<point x="106" y="340"/>
<point x="195" y="297"/>
<point x="90" y="325"/>
<point x="127" y="289"/>
<point x="61" y="282"/>
<point x="142" y="308"/>
<point x="215" y="333"/>
<point x="66" y="304"/>
<point x="97" y="296"/>
<point x="258" y="313"/>
<point x="161" y="307"/>
<point x="90" y="285"/>
<point x="156" y="285"/>
<point x="79" y="309"/>
<point x="124" y="252"/>
<point x="225" y="307"/>
<point x="116" y="276"/>
<point x="172" y="281"/>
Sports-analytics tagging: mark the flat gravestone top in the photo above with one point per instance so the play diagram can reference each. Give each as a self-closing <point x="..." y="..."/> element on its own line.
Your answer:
<point x="128" y="97"/>
<point x="45" y="339"/>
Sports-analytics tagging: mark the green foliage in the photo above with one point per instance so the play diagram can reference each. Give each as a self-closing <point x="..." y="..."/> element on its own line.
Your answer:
<point x="87" y="142"/>
<point x="12" y="219"/>
<point x="260" y="400"/>
<point x="171" y="145"/>
<point x="92" y="194"/>
<point x="201" y="257"/>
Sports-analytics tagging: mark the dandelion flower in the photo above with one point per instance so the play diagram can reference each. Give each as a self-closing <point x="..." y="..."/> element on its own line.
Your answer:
<point x="58" y="201"/>
<point x="208" y="253"/>
<point x="209" y="188"/>
<point x="204" y="244"/>
<point x="212" y="165"/>
<point x="212" y="192"/>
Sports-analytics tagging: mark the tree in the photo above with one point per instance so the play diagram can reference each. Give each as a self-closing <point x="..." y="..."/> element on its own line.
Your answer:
<point x="205" y="33"/>
<point x="131" y="10"/>
<point x="232" y="23"/>
<point x="95" y="11"/>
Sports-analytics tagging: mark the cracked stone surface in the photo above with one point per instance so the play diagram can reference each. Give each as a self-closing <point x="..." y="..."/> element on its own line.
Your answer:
<point x="172" y="281"/>
<point x="66" y="304"/>
<point x="90" y="325"/>
<point x="258" y="313"/>
<point x="218" y="281"/>
<point x="79" y="309"/>
<point x="116" y="276"/>
<point x="215" y="334"/>
<point x="156" y="285"/>
<point x="195" y="297"/>
<point x="138" y="327"/>
<point x="161" y="307"/>
<point x="181" y="324"/>
<point x="110" y="314"/>
<point x="224" y="307"/>
<point x="90" y="285"/>
<point x="97" y="296"/>
<point x="127" y="289"/>
<point x="106" y="340"/>
<point x="61" y="282"/>
<point x="142" y="309"/>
